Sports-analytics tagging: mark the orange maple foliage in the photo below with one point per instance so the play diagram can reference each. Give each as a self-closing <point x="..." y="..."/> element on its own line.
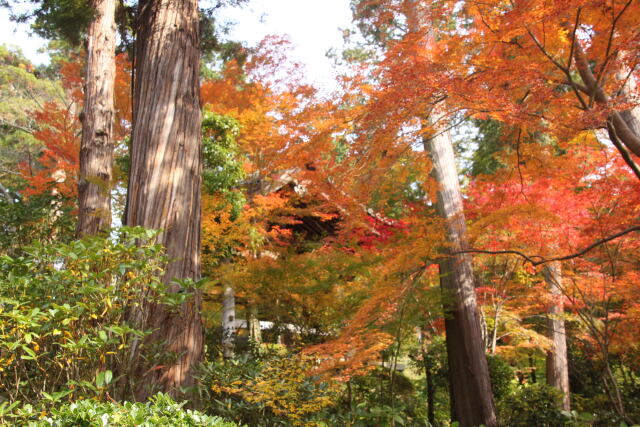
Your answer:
<point x="276" y="112"/>
<point x="518" y="63"/>
<point x="289" y="136"/>
<point x="59" y="129"/>
<point x="58" y="163"/>
<point x="509" y="61"/>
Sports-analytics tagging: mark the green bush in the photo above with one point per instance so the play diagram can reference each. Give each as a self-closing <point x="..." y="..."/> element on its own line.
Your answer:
<point x="501" y="376"/>
<point x="45" y="218"/>
<point x="63" y="328"/>
<point x="532" y="405"/>
<point x="161" y="410"/>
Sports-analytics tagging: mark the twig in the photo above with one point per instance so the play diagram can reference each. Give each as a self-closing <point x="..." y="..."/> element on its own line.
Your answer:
<point x="16" y="126"/>
<point x="565" y="70"/>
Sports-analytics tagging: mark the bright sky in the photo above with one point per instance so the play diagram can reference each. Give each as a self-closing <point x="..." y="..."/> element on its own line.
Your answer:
<point x="312" y="25"/>
<point x="13" y="34"/>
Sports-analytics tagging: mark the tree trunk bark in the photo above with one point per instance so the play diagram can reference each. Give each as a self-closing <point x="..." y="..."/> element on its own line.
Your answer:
<point x="165" y="180"/>
<point x="96" y="145"/>
<point x="471" y="396"/>
<point x="557" y="363"/>
<point x="629" y="89"/>
<point x="228" y="322"/>
<point x="623" y="129"/>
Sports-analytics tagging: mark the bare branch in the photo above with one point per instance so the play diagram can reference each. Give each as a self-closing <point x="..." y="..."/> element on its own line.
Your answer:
<point x="15" y="126"/>
<point x="538" y="260"/>
<point x="582" y="88"/>
<point x="544" y="51"/>
<point x="528" y="258"/>
<point x="565" y="70"/>
<point x="626" y="79"/>
<point x="573" y="38"/>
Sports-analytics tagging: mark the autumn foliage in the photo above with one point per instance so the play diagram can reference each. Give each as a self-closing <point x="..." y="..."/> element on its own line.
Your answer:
<point x="320" y="210"/>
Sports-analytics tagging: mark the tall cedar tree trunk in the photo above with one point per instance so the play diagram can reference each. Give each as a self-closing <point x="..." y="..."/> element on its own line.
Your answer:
<point x="96" y="146"/>
<point x="557" y="363"/>
<point x="165" y="178"/>
<point x="471" y="396"/>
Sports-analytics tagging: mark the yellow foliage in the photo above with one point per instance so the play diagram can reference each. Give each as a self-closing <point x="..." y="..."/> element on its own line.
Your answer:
<point x="285" y="387"/>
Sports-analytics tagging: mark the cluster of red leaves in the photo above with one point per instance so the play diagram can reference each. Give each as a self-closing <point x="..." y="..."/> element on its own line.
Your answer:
<point x="57" y="166"/>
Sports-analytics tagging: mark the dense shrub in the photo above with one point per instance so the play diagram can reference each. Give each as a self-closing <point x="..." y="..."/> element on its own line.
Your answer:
<point x="502" y="376"/>
<point x="161" y="410"/>
<point x="532" y="405"/>
<point x="62" y="314"/>
<point x="43" y="217"/>
<point x="265" y="388"/>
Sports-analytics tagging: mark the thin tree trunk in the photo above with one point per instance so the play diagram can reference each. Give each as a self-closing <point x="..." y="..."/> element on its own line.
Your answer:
<point x="431" y="389"/>
<point x="494" y="332"/>
<point x="613" y="390"/>
<point x="471" y="396"/>
<point x="165" y="179"/>
<point x="484" y="330"/>
<point x="431" y="394"/>
<point x="533" y="374"/>
<point x="470" y="385"/>
<point x="557" y="363"/>
<point x="228" y="322"/>
<point x="96" y="146"/>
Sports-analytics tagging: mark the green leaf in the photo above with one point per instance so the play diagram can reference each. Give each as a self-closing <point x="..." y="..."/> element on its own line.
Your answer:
<point x="31" y="354"/>
<point x="100" y="379"/>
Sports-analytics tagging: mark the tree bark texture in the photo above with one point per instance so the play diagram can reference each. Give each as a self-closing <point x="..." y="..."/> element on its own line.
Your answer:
<point x="96" y="146"/>
<point x="471" y="396"/>
<point x="165" y="179"/>
<point x="228" y="322"/>
<point x="557" y="363"/>
<point x="628" y="93"/>
<point x="621" y="123"/>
